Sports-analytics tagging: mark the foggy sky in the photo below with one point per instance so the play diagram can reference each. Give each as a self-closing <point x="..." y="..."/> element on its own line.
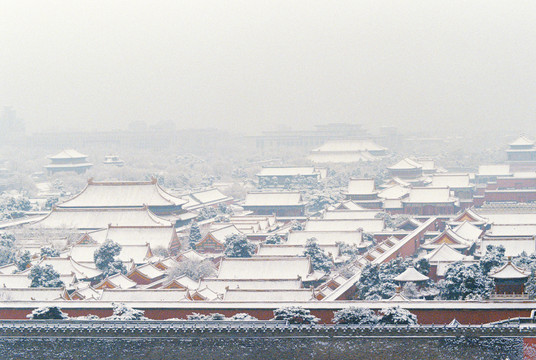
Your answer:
<point x="257" y="65"/>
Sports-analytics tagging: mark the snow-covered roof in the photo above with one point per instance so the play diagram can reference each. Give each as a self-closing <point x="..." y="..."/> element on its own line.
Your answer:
<point x="84" y="253"/>
<point x="122" y="295"/>
<point x="265" y="268"/>
<point x="423" y="195"/>
<point x="511" y="231"/>
<point x="451" y="180"/>
<point x="119" y="281"/>
<point x="346" y="205"/>
<point x="368" y="225"/>
<point x="468" y="231"/>
<point x="32" y="294"/>
<point x="122" y="194"/>
<point x="394" y="192"/>
<point x="99" y="218"/>
<point x="509" y="271"/>
<point x="522" y="141"/>
<point x="219" y="285"/>
<point x="510" y="218"/>
<point x="288" y="198"/>
<point x="148" y="270"/>
<point x="444" y="253"/>
<point x="68" y="154"/>
<point x="190" y="255"/>
<point x="155" y="236"/>
<point x="269" y="295"/>
<point x="200" y="199"/>
<point x="68" y="266"/>
<point x="350" y="214"/>
<point x="14" y="281"/>
<point x="411" y="274"/>
<point x="406" y="164"/>
<point x="494" y="170"/>
<point x="221" y="233"/>
<point x="292" y="250"/>
<point x="325" y="237"/>
<point x="361" y="187"/>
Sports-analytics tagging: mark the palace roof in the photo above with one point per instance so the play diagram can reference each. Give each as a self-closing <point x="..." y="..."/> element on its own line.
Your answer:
<point x="122" y="194"/>
<point x="494" y="170"/>
<point x="468" y="231"/>
<point x="267" y="268"/>
<point x="350" y="214"/>
<point x="361" y="187"/>
<point x="288" y="171"/>
<point x="368" y="225"/>
<point x="427" y="195"/>
<point x="99" y="218"/>
<point x="445" y="253"/>
<point x="68" y="154"/>
<point x="522" y="141"/>
<point x="274" y="199"/>
<point x="293" y="250"/>
<point x="406" y="164"/>
<point x="200" y="199"/>
<point x="325" y="237"/>
<point x="510" y="271"/>
<point x="269" y="295"/>
<point x="155" y="236"/>
<point x="136" y="253"/>
<point x="219" y="285"/>
<point x="394" y="192"/>
<point x="155" y="295"/>
<point x="411" y="275"/>
<point x="451" y="180"/>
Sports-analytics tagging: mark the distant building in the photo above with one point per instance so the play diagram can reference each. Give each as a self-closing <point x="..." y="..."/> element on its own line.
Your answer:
<point x="522" y="154"/>
<point x="347" y="151"/>
<point x="286" y="204"/>
<point x="113" y="160"/>
<point x="363" y="193"/>
<point x="430" y="201"/>
<point x="68" y="160"/>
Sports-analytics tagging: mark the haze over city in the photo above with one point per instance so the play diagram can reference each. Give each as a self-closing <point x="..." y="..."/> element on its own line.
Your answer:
<point x="256" y="65"/>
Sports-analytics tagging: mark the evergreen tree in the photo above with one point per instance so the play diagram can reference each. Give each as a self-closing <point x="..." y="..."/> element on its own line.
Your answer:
<point x="7" y="249"/>
<point x="274" y="239"/>
<point x="493" y="257"/>
<point x="44" y="276"/>
<point x="397" y="316"/>
<point x="295" y="315"/>
<point x="319" y="259"/>
<point x="23" y="260"/>
<point x="464" y="283"/>
<point x="47" y="313"/>
<point x="49" y="252"/>
<point x="238" y="246"/>
<point x="195" y="235"/>
<point x="355" y="315"/>
<point x="423" y="266"/>
<point x="105" y="259"/>
<point x="124" y="312"/>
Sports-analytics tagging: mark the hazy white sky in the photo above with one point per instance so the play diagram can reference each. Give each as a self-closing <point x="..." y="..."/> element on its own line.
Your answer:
<point x="252" y="65"/>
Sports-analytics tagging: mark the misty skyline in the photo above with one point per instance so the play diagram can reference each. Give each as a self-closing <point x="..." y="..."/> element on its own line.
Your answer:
<point x="249" y="66"/>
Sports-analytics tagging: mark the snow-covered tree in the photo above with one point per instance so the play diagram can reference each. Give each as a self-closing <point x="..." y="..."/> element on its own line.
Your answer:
<point x="463" y="282"/>
<point x="238" y="246"/>
<point x="44" y="276"/>
<point x="7" y="248"/>
<point x="295" y="225"/>
<point x="319" y="259"/>
<point x="23" y="260"/>
<point x="47" y="313"/>
<point x="376" y="281"/>
<point x="422" y="265"/>
<point x="274" y="239"/>
<point x="494" y="257"/>
<point x="195" y="235"/>
<point x="194" y="269"/>
<point x="242" y="317"/>
<point x="355" y="315"/>
<point x="49" y="252"/>
<point x="397" y="316"/>
<point x="207" y="213"/>
<point x="295" y="315"/>
<point x="197" y="317"/>
<point x="105" y="258"/>
<point x="124" y="312"/>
